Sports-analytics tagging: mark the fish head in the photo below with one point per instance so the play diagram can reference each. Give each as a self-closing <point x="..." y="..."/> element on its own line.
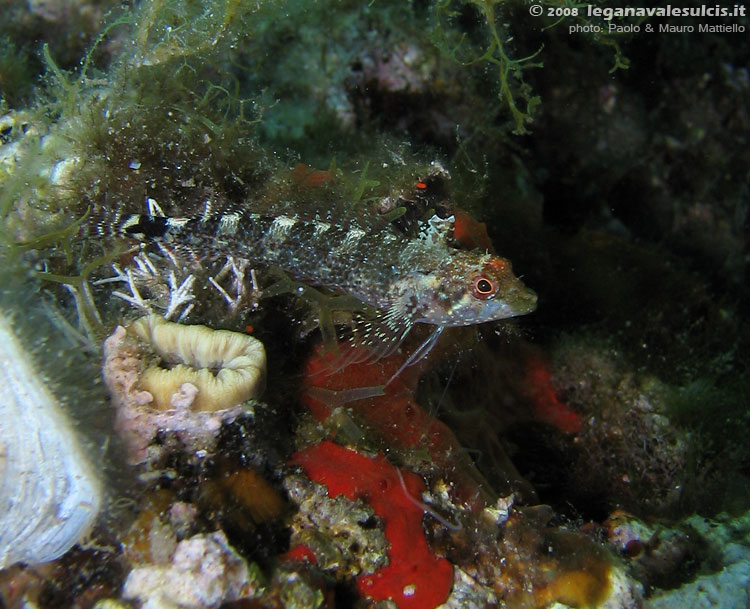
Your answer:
<point x="471" y="288"/>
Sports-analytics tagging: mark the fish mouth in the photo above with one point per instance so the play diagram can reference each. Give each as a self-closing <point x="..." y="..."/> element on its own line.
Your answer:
<point x="518" y="300"/>
<point x="523" y="301"/>
<point x="515" y="302"/>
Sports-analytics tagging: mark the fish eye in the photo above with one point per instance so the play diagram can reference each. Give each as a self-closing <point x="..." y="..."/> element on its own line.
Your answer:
<point x="483" y="287"/>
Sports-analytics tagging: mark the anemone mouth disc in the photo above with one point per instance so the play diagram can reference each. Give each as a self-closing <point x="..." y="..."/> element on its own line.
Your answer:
<point x="50" y="493"/>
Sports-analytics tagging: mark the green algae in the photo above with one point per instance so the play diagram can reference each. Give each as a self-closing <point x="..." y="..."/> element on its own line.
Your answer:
<point x="165" y="122"/>
<point x="16" y="73"/>
<point x="183" y="104"/>
<point x="509" y="70"/>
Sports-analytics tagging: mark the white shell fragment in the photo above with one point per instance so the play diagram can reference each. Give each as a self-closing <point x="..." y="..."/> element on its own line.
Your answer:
<point x="49" y="491"/>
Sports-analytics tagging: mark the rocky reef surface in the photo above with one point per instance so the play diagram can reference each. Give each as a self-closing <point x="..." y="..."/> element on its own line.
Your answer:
<point x="235" y="435"/>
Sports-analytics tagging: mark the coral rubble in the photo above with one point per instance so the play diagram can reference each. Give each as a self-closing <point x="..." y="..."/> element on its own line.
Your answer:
<point x="725" y="584"/>
<point x="202" y="572"/>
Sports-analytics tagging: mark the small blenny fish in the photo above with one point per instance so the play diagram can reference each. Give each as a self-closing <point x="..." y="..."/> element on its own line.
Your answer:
<point x="408" y="279"/>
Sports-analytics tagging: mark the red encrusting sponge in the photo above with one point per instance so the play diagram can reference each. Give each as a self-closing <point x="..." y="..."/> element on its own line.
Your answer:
<point x="414" y="578"/>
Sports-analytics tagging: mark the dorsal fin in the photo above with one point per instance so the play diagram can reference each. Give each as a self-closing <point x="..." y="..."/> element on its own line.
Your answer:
<point x="437" y="231"/>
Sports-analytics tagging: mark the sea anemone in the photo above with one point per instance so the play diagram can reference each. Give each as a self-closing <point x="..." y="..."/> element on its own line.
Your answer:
<point x="180" y="378"/>
<point x="226" y="368"/>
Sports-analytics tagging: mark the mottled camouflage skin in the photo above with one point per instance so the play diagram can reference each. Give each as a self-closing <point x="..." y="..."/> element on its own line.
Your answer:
<point x="411" y="280"/>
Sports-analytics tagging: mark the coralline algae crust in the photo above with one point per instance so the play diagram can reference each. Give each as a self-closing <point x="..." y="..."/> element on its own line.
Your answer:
<point x="203" y="572"/>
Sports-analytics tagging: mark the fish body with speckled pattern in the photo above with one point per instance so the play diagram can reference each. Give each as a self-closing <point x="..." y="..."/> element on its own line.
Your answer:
<point x="420" y="279"/>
